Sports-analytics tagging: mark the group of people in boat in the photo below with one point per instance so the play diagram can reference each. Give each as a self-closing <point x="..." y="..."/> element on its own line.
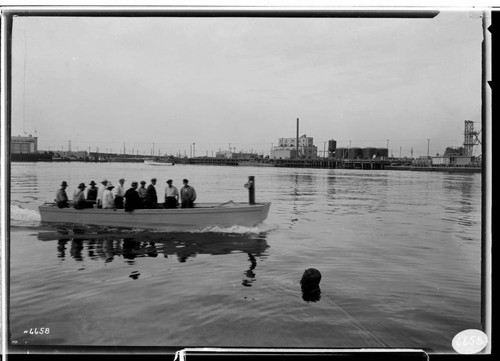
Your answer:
<point x="136" y="197"/>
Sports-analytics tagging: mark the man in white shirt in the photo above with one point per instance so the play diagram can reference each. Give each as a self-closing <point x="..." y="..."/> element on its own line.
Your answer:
<point x="108" y="198"/>
<point x="100" y="192"/>
<point x="119" y="194"/>
<point x="171" y="195"/>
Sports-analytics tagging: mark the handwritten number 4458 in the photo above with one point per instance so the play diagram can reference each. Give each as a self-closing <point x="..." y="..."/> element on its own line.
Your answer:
<point x="38" y="331"/>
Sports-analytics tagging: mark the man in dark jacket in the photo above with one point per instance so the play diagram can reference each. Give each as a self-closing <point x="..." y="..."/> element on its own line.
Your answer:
<point x="132" y="199"/>
<point x="151" y="197"/>
<point x="79" y="201"/>
<point x="92" y="193"/>
<point x="188" y="195"/>
<point x="61" y="196"/>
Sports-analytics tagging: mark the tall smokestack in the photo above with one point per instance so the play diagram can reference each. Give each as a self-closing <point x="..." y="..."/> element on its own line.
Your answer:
<point x="297" y="140"/>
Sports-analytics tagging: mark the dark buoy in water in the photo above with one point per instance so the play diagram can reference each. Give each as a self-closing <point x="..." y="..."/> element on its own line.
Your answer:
<point x="310" y="279"/>
<point x="310" y="285"/>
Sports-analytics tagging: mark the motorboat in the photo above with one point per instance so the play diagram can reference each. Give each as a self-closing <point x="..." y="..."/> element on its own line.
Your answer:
<point x="201" y="216"/>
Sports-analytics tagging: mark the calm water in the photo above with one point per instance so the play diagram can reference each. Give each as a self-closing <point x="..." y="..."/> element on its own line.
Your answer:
<point x="399" y="253"/>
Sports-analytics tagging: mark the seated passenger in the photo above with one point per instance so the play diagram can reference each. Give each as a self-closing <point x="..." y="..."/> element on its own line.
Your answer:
<point x="151" y="197"/>
<point x="119" y="194"/>
<point x="108" y="199"/>
<point x="79" y="201"/>
<point x="92" y="193"/>
<point x="171" y="195"/>
<point x="142" y="192"/>
<point x="188" y="195"/>
<point x="132" y="199"/>
<point x="61" y="196"/>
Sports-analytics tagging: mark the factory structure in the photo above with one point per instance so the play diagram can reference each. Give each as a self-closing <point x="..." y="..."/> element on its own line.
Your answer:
<point x="24" y="145"/>
<point x="292" y="148"/>
<point x="359" y="153"/>
<point x="303" y="148"/>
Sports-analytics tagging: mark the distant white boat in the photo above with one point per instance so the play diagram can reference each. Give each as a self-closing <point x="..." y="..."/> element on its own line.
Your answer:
<point x="202" y="216"/>
<point x="159" y="162"/>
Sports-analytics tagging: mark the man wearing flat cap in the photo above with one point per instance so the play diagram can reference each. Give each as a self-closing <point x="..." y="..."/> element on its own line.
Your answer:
<point x="119" y="194"/>
<point x="142" y="192"/>
<point x="188" y="195"/>
<point x="171" y="195"/>
<point x="151" y="197"/>
<point x="132" y="199"/>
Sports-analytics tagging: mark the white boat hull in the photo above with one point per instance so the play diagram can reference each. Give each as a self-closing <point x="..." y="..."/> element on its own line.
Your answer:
<point x="152" y="162"/>
<point x="202" y="216"/>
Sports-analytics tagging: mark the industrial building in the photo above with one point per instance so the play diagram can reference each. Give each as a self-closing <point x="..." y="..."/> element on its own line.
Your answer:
<point x="288" y="148"/>
<point x="361" y="153"/>
<point x="235" y="155"/>
<point x="453" y="160"/>
<point x="24" y="145"/>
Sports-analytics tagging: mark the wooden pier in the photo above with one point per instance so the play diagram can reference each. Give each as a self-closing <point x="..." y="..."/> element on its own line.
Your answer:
<point x="327" y="163"/>
<point x="332" y="163"/>
<point x="207" y="161"/>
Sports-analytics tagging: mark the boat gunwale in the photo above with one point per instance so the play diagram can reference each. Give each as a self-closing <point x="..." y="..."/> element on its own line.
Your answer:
<point x="198" y="207"/>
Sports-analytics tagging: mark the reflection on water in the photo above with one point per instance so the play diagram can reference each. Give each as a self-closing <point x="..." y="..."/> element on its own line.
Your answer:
<point x="368" y="193"/>
<point x="183" y="246"/>
<point x="76" y="249"/>
<point x="250" y="274"/>
<point x="461" y="207"/>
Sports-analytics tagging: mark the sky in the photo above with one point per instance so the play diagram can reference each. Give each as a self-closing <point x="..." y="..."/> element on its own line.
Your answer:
<point x="240" y="83"/>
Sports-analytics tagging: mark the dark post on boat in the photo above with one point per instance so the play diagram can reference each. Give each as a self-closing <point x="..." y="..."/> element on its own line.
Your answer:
<point x="251" y="189"/>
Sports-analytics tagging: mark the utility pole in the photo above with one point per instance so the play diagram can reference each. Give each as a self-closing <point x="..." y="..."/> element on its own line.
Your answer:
<point x="297" y="140"/>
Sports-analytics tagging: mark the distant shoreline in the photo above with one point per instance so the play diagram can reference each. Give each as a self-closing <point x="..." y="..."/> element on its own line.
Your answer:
<point x="328" y="163"/>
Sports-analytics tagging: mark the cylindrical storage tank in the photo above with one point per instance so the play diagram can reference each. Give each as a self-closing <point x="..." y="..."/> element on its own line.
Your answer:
<point x="341" y="153"/>
<point x="369" y="152"/>
<point x="383" y="152"/>
<point x="354" y="153"/>
<point x="332" y="145"/>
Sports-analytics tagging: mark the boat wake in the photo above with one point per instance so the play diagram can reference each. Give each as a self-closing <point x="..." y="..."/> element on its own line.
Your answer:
<point x="260" y="228"/>
<point x="22" y="217"/>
